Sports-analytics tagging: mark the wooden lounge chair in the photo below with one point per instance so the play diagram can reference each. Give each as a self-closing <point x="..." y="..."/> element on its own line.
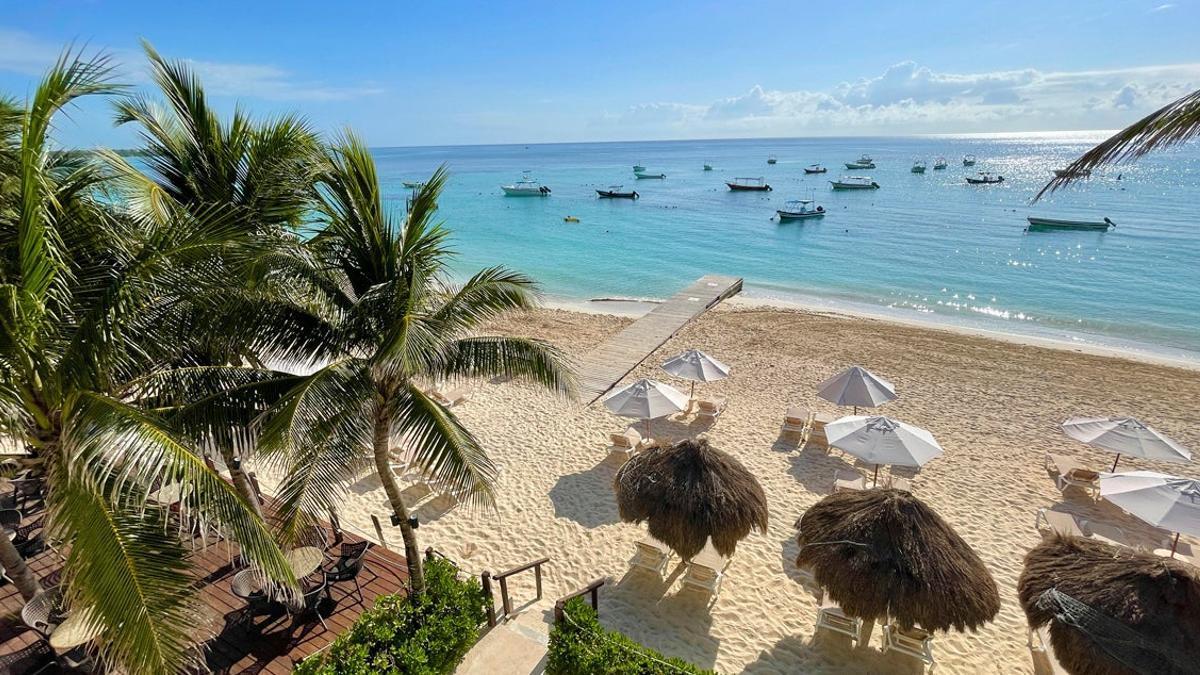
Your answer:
<point x="1070" y="472"/>
<point x="1060" y="522"/>
<point x="898" y="483"/>
<point x="831" y="617"/>
<point x="816" y="433"/>
<point x="913" y="642"/>
<point x="848" y="480"/>
<point x="1045" y="662"/>
<point x="709" y="410"/>
<point x="651" y="554"/>
<point x="448" y="397"/>
<point x="627" y="443"/>
<point x="706" y="571"/>
<point x="797" y="420"/>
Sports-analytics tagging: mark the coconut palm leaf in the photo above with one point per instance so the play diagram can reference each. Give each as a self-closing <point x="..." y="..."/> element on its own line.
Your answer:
<point x="1170" y="125"/>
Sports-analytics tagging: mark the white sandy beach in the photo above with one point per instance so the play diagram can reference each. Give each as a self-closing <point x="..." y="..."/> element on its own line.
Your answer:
<point x="994" y="405"/>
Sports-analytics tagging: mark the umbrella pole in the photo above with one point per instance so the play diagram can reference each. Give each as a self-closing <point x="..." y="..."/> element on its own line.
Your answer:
<point x="875" y="480"/>
<point x="1174" y="544"/>
<point x="692" y="397"/>
<point x="1114" y="469"/>
<point x="647" y="428"/>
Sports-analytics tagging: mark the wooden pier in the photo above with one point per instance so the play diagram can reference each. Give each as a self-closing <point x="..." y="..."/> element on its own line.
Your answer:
<point x="612" y="360"/>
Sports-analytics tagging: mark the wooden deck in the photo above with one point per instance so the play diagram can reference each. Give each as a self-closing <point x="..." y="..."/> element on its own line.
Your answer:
<point x="262" y="644"/>
<point x="607" y="364"/>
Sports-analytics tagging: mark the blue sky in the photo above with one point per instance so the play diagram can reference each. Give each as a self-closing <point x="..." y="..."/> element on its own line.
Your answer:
<point x="408" y="73"/>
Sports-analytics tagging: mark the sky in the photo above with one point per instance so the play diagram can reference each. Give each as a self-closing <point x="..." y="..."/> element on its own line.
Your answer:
<point x="450" y="73"/>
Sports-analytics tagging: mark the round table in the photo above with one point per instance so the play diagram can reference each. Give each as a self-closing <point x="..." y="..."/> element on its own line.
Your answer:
<point x="171" y="493"/>
<point x="78" y="629"/>
<point x="305" y="560"/>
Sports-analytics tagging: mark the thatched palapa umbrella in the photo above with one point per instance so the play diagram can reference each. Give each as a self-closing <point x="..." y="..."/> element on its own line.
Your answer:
<point x="688" y="492"/>
<point x="1113" y="611"/>
<point x="884" y="553"/>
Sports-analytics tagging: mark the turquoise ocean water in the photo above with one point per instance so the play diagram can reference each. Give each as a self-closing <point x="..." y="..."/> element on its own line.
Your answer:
<point x="922" y="247"/>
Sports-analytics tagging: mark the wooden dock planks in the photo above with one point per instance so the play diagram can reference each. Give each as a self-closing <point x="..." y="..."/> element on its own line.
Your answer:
<point x="612" y="360"/>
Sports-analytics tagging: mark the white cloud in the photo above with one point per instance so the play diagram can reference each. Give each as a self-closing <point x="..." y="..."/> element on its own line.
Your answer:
<point x="26" y="54"/>
<point x="908" y="98"/>
<point x="1163" y="7"/>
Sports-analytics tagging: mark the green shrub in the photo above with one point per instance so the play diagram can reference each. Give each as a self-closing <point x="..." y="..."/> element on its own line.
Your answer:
<point x="580" y="645"/>
<point x="426" y="636"/>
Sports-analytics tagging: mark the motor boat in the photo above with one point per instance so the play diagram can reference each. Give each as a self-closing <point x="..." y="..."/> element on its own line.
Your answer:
<point x="918" y="166"/>
<point x="748" y="185"/>
<point x="1038" y="224"/>
<point x="854" y="183"/>
<point x="638" y="167"/>
<point x="642" y="174"/>
<point x="708" y="167"/>
<point x="939" y="164"/>
<point x="815" y="168"/>
<point x="799" y="209"/>
<point x="985" y="178"/>
<point x="863" y="162"/>
<point x="526" y="187"/>
<point x="968" y="160"/>
<point x="771" y="159"/>
<point x="615" y="192"/>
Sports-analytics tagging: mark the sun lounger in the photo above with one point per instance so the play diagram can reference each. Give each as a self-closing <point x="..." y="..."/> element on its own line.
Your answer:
<point x="817" y="433"/>
<point x="797" y="421"/>
<point x="831" y="617"/>
<point x="709" y="410"/>
<point x="1060" y="522"/>
<point x="898" y="483"/>
<point x="1044" y="660"/>
<point x="626" y="443"/>
<point x="913" y="642"/>
<point x="651" y="554"/>
<point x="449" y="397"/>
<point x="1073" y="473"/>
<point x="706" y="571"/>
<point x="849" y="480"/>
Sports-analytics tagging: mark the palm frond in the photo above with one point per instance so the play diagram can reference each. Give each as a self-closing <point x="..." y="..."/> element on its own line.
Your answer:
<point x="1174" y="123"/>
<point x="508" y="357"/>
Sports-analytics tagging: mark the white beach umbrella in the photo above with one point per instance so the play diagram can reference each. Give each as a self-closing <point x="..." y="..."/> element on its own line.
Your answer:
<point x="1125" y="436"/>
<point x="696" y="366"/>
<point x="646" y="400"/>
<point x="856" y="386"/>
<point x="1169" y="502"/>
<point x="882" y="440"/>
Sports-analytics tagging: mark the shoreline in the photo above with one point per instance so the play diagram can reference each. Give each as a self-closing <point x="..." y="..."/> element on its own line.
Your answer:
<point x="1132" y="351"/>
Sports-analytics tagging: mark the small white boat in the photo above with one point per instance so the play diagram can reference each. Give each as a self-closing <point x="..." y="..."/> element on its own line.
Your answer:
<point x="939" y="164"/>
<point x="638" y="167"/>
<point x="771" y="159"/>
<point x="526" y="187"/>
<point x="1038" y="224"/>
<point x="815" y="168"/>
<point x="918" y="166"/>
<point x="798" y="209"/>
<point x="708" y="167"/>
<point x="412" y="185"/>
<point x="643" y="174"/>
<point x="854" y="183"/>
<point x="968" y="160"/>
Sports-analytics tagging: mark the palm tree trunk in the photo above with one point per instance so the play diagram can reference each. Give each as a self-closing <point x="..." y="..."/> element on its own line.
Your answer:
<point x="241" y="481"/>
<point x="16" y="569"/>
<point x="412" y="552"/>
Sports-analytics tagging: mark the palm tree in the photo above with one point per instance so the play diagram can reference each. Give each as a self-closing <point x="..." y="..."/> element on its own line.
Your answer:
<point x="1174" y="123"/>
<point x="262" y="174"/>
<point x="396" y="323"/>
<point x="84" y="288"/>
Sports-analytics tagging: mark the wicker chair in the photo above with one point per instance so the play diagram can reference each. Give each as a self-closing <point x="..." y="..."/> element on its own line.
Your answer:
<point x="28" y="661"/>
<point x="310" y="602"/>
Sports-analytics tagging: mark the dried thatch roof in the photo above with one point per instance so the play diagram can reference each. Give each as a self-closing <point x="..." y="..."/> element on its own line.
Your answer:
<point x="688" y="492"/>
<point x="883" y="553"/>
<point x="1139" y="613"/>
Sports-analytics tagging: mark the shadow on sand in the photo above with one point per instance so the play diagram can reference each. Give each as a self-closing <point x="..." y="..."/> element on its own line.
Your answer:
<point x="587" y="497"/>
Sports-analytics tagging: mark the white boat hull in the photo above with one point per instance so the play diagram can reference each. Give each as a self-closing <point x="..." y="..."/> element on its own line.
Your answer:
<point x="510" y="191"/>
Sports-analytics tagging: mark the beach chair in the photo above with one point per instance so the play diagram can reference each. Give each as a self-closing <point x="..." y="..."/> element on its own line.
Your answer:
<point x="709" y="410"/>
<point x="449" y="397"/>
<point x="706" y="571"/>
<point x="848" y="480"/>
<point x="627" y="443"/>
<point x="816" y="433"/>
<point x="1045" y="662"/>
<point x="897" y="483"/>
<point x="797" y="421"/>
<point x="651" y="554"/>
<point x="831" y="617"/>
<point x="1070" y="472"/>
<point x="1058" y="521"/>
<point x="912" y="642"/>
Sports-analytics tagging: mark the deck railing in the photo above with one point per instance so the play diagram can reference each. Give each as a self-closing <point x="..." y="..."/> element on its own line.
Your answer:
<point x="592" y="590"/>
<point x="506" y="600"/>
